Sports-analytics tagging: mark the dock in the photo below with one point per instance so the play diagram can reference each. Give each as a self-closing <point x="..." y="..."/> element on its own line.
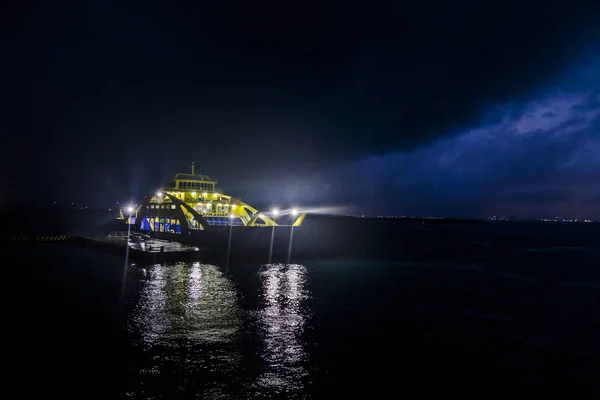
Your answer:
<point x="151" y="250"/>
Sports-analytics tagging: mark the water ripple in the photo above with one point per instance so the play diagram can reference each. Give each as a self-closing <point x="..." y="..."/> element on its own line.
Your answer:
<point x="282" y="320"/>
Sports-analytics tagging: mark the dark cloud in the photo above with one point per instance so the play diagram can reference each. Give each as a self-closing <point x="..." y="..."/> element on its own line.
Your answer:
<point x="521" y="161"/>
<point x="525" y="165"/>
<point x="539" y="196"/>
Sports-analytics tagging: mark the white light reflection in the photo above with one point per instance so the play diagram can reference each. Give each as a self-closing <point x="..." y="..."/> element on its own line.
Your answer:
<point x="147" y="317"/>
<point x="195" y="284"/>
<point x="188" y="320"/>
<point x="283" y="319"/>
<point x="186" y="302"/>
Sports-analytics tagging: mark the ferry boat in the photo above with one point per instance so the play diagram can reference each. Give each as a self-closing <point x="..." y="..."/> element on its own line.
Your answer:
<point x="191" y="204"/>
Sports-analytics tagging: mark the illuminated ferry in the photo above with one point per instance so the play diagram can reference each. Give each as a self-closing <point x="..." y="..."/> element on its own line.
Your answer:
<point x="193" y="203"/>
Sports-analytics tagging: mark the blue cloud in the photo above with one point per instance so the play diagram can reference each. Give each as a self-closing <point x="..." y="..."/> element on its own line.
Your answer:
<point x="525" y="159"/>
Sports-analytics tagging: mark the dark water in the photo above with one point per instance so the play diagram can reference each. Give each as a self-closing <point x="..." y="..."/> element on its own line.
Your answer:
<point x="520" y="317"/>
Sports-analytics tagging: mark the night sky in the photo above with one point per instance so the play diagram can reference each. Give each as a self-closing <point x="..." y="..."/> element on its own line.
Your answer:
<point x="463" y="109"/>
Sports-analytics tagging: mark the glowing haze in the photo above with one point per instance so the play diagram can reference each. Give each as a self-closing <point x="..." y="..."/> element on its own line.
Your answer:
<point x="541" y="158"/>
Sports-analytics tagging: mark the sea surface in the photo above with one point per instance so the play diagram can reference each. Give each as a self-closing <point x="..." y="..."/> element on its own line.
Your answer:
<point x="472" y="311"/>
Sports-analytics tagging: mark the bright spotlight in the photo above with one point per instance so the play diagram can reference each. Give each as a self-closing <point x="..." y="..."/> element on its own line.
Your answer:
<point x="130" y="209"/>
<point x="294" y="212"/>
<point x="232" y="216"/>
<point x="159" y="194"/>
<point x="204" y="194"/>
<point x="193" y="193"/>
<point x="216" y="194"/>
<point x="275" y="211"/>
<point x="233" y="206"/>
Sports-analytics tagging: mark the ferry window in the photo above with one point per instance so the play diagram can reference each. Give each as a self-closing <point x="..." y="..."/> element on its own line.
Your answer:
<point x="179" y="185"/>
<point x="172" y="206"/>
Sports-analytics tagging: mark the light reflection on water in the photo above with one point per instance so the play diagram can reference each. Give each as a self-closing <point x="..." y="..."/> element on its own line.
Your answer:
<point x="192" y="334"/>
<point x="186" y="321"/>
<point x="282" y="320"/>
<point x="193" y="302"/>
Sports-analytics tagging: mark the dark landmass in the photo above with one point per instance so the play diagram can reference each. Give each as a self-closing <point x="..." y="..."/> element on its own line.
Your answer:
<point x="409" y="219"/>
<point x="329" y="237"/>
